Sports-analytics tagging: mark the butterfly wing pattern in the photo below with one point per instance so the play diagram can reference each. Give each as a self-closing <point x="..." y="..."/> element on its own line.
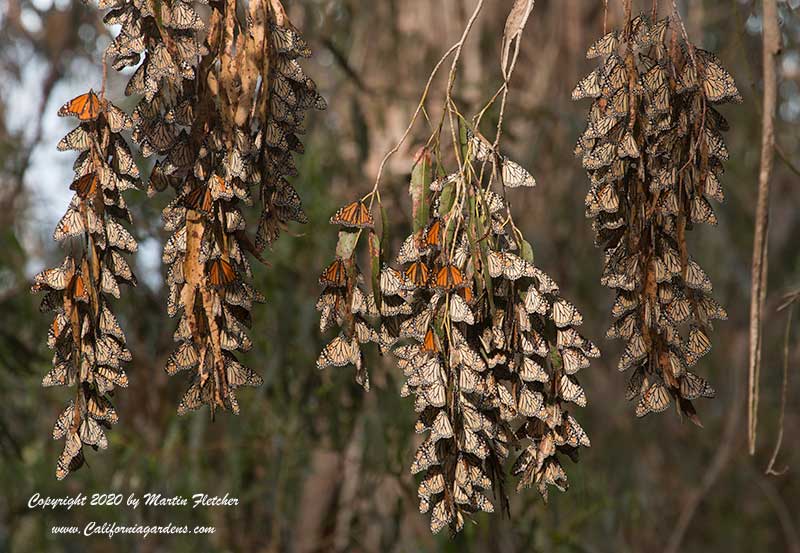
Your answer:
<point x="87" y="339"/>
<point x="216" y="146"/>
<point x="488" y="347"/>
<point x="654" y="154"/>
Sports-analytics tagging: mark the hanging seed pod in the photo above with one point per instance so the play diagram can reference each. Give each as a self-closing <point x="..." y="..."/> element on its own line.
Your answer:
<point x="87" y="340"/>
<point x="488" y="347"/>
<point x="653" y="151"/>
<point x="221" y="104"/>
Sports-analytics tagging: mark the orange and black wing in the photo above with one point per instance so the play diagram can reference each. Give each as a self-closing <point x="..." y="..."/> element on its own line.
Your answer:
<point x="417" y="274"/>
<point x="86" y="185"/>
<point x="85" y="107"/>
<point x="449" y="278"/>
<point x="354" y="214"/>
<point x="334" y="274"/>
<point x="221" y="273"/>
<point x="433" y="234"/>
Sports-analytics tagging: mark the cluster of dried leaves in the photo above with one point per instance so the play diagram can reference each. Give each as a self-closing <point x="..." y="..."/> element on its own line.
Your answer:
<point x="488" y="346"/>
<point x="88" y="343"/>
<point x="221" y="105"/>
<point x="653" y="151"/>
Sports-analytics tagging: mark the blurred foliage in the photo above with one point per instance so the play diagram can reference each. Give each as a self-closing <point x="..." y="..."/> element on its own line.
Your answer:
<point x="317" y="464"/>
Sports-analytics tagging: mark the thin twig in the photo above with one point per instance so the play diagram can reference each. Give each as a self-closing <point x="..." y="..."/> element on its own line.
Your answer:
<point x="770" y="470"/>
<point x="771" y="46"/>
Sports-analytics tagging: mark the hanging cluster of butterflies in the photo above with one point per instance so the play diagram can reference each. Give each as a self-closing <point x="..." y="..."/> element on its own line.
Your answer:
<point x="280" y="112"/>
<point x="88" y="343"/>
<point x="488" y="346"/>
<point x="219" y="127"/>
<point x="653" y="151"/>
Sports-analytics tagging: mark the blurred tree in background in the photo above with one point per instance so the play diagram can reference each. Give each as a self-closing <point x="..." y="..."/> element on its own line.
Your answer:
<point x="317" y="464"/>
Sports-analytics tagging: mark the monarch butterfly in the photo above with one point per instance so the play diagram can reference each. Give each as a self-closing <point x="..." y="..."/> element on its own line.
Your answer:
<point x="718" y="85"/>
<point x="354" y="214"/>
<point x="91" y="433"/>
<point x="64" y="421"/>
<point x="628" y="147"/>
<point x="194" y="397"/>
<point x="119" y="237"/>
<point x="693" y="387"/>
<point x="570" y="390"/>
<point x="716" y="146"/>
<point x="460" y="311"/>
<point x="603" y="46"/>
<point x="698" y="343"/>
<point x="514" y="175"/>
<point x="449" y="278"/>
<point x="654" y="78"/>
<point x="85" y="107"/>
<point x="573" y="360"/>
<point x="575" y="434"/>
<point x="655" y="399"/>
<point x="221" y="273"/>
<point x="589" y="87"/>
<point x="77" y="139"/>
<point x="507" y="264"/>
<point x="712" y="187"/>
<point x="124" y="160"/>
<point x="334" y="275"/>
<point x="635" y="351"/>
<point x="181" y="15"/>
<point x="697" y="278"/>
<point x="601" y="127"/>
<point x="182" y="359"/>
<point x="288" y="41"/>
<point x="71" y="457"/>
<point x="530" y="403"/>
<point x="417" y="274"/>
<point x="85" y="186"/>
<point x="101" y="409"/>
<point x="614" y="74"/>
<point x="433" y="482"/>
<point x="564" y="314"/>
<point x="531" y="371"/>
<point x="199" y="199"/>
<point x="702" y="212"/>
<point x="433" y="234"/>
<point x="600" y="156"/>
<point x="429" y="342"/>
<point x="239" y="375"/>
<point x="108" y="284"/>
<point x="339" y="352"/>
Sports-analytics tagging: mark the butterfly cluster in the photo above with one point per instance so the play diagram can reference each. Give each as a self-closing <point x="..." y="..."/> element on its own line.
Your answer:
<point x="88" y="343"/>
<point x="653" y="151"/>
<point x="220" y="105"/>
<point x="488" y="346"/>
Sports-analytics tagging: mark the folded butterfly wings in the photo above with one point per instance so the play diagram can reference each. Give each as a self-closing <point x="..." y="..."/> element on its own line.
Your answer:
<point x="653" y="152"/>
<point x="488" y="347"/>
<point x="215" y="141"/>
<point x="88" y="342"/>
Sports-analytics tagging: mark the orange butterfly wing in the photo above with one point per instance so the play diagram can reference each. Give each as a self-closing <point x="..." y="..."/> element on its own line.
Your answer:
<point x="221" y="273"/>
<point x="354" y="214"/>
<point x="417" y="274"/>
<point x="85" y="107"/>
<point x="86" y="185"/>
<point x="334" y="275"/>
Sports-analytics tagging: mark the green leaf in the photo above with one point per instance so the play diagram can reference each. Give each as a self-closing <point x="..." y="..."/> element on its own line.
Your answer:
<point x="447" y="198"/>
<point x="346" y="244"/>
<point x="385" y="236"/>
<point x="375" y="265"/>
<point x="527" y="251"/>
<point x="421" y="177"/>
